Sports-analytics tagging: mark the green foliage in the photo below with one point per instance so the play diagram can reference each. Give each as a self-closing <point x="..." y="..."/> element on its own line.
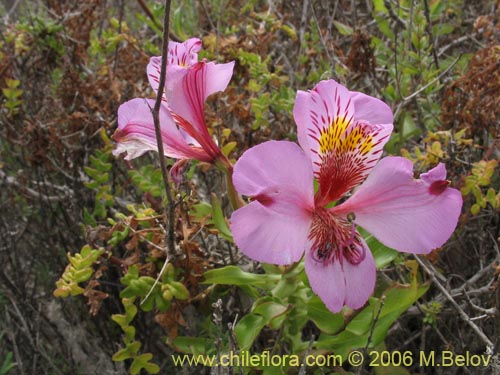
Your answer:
<point x="7" y="363"/>
<point x="98" y="172"/>
<point x="284" y="302"/>
<point x="184" y="21"/>
<point x="109" y="39"/>
<point x="151" y="294"/>
<point x="370" y="326"/>
<point x="132" y="347"/>
<point x="283" y="309"/>
<point x="432" y="310"/>
<point x="79" y="270"/>
<point x="264" y="101"/>
<point x="409" y="59"/>
<point x="436" y="148"/>
<point x="46" y="33"/>
<point x="159" y="294"/>
<point x="148" y="180"/>
<point x="479" y="179"/>
<point x="12" y="94"/>
<point x="213" y="217"/>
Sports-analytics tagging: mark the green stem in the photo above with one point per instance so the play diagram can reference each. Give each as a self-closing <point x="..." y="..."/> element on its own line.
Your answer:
<point x="225" y="166"/>
<point x="234" y="197"/>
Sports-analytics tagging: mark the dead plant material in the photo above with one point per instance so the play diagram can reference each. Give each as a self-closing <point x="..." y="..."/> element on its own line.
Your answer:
<point x="473" y="100"/>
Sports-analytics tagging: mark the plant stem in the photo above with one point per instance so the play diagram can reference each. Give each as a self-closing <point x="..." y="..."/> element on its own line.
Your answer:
<point x="234" y="197"/>
<point x="169" y="212"/>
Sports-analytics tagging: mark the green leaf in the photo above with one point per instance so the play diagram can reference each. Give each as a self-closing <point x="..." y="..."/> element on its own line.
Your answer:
<point x="201" y="210"/>
<point x="322" y="317"/>
<point x="379" y="6"/>
<point x="382" y="254"/>
<point x="397" y="299"/>
<point x="7" y="364"/>
<point x="343" y="28"/>
<point x="228" y="147"/>
<point x="219" y="219"/>
<point x="193" y="345"/>
<point x="142" y="362"/>
<point x="233" y="275"/>
<point x="272" y="311"/>
<point x="363" y="321"/>
<point x="247" y="330"/>
<point x="284" y="288"/>
<point x="130" y="351"/>
<point x="409" y="128"/>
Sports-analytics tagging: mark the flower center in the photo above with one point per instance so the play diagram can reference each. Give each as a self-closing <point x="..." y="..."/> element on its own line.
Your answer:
<point x="348" y="152"/>
<point x="335" y="238"/>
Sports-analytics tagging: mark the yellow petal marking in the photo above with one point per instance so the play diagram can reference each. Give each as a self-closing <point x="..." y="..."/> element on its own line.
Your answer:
<point x="334" y="138"/>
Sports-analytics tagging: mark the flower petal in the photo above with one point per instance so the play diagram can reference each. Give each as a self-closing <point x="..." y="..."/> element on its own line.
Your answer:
<point x="136" y="132"/>
<point x="438" y="173"/>
<point x="279" y="175"/>
<point x="325" y="108"/>
<point x="359" y="279"/>
<point x="343" y="146"/>
<point x="341" y="284"/>
<point x="199" y="82"/>
<point x="266" y="235"/>
<point x="370" y="109"/>
<point x="180" y="57"/>
<point x="327" y="281"/>
<point x="184" y="54"/>
<point x="408" y="215"/>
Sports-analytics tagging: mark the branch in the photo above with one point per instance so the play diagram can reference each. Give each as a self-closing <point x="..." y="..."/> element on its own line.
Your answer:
<point x="431" y="271"/>
<point x="170" y="207"/>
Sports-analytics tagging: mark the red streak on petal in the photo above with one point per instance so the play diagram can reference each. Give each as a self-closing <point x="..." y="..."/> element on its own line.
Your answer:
<point x="118" y="135"/>
<point x="264" y="199"/>
<point x="437" y="187"/>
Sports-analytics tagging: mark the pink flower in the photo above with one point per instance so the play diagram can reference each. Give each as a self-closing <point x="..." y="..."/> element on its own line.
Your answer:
<point x="184" y="131"/>
<point x="341" y="134"/>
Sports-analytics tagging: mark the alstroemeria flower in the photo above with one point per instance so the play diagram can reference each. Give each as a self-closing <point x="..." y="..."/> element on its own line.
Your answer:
<point x="341" y="134"/>
<point x="184" y="131"/>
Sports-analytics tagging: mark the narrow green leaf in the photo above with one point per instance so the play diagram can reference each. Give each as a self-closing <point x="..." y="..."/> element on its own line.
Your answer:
<point x="343" y="28"/>
<point x="219" y="219"/>
<point x="193" y="345"/>
<point x="233" y="275"/>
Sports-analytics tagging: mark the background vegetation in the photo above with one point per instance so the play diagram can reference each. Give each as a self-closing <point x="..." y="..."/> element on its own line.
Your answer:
<point x="69" y="208"/>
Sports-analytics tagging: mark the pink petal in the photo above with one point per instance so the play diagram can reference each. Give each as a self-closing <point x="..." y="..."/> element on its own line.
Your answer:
<point x="274" y="227"/>
<point x="341" y="284"/>
<point x="180" y="57"/>
<point x="403" y="213"/>
<point x="370" y="109"/>
<point x="342" y="144"/>
<point x="136" y="133"/>
<point x="266" y="235"/>
<point x="177" y="170"/>
<point x="319" y="109"/>
<point x="345" y="168"/>
<point x="198" y="83"/>
<point x="184" y="54"/>
<point x="278" y="174"/>
<point x="328" y="282"/>
<point x="218" y="77"/>
<point x="438" y="173"/>
<point x="359" y="280"/>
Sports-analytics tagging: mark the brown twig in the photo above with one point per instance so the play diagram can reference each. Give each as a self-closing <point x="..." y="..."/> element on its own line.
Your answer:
<point x="148" y="12"/>
<point x="429" y="269"/>
<point x="428" y="28"/>
<point x="170" y="207"/>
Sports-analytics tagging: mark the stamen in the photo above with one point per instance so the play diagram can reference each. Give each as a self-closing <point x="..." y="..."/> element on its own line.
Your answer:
<point x="335" y="239"/>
